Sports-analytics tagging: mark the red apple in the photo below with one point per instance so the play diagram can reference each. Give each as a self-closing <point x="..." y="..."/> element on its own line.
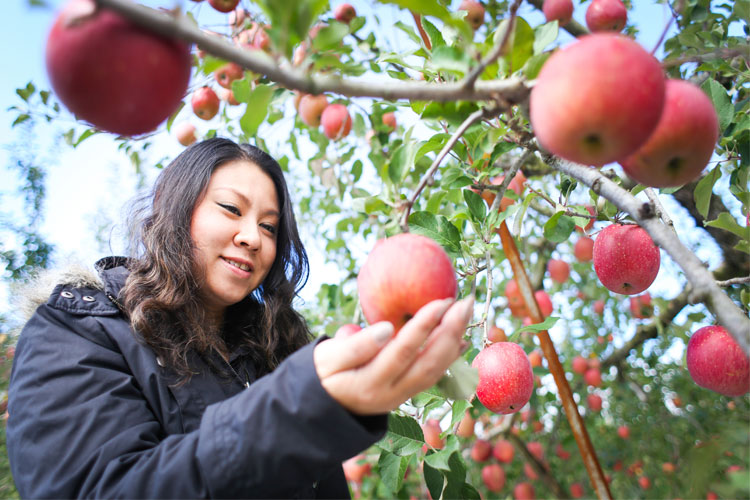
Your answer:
<point x="644" y="482"/>
<point x="677" y="401"/>
<point x="311" y="109"/>
<point x="580" y="364"/>
<point x="493" y="477"/>
<point x="712" y="496"/>
<point x="561" y="452"/>
<point x="496" y="334"/>
<point x="584" y="249"/>
<point x="559" y="270"/>
<point x="516" y="184"/>
<point x="535" y="358"/>
<point x="523" y="491"/>
<point x="623" y="431"/>
<point x="515" y="300"/>
<point x="668" y="467"/>
<point x="530" y="472"/>
<point x="185" y="133"/>
<point x="224" y="5"/>
<point x="466" y="426"/>
<point x="402" y="274"/>
<point x="474" y="13"/>
<point x="595" y="402"/>
<point x="227" y="96"/>
<point x="594" y="109"/>
<point x="347" y="330"/>
<point x="205" y="103"/>
<point x="544" y="302"/>
<point x="626" y="260"/>
<point x="356" y="468"/>
<point x="505" y="377"/>
<point x="683" y="142"/>
<point x="344" y="13"/>
<point x="481" y="450"/>
<point x="558" y="10"/>
<point x="536" y="449"/>
<point x="228" y="73"/>
<point x="593" y="377"/>
<point x="389" y="120"/>
<point x="606" y="15"/>
<point x="97" y="65"/>
<point x="503" y="451"/>
<point x="599" y="307"/>
<point x="640" y="306"/>
<point x="716" y="362"/>
<point x="336" y="121"/>
<point x="431" y="430"/>
<point x="576" y="490"/>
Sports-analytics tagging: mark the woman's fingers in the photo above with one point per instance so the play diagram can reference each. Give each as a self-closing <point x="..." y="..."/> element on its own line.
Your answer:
<point x="345" y="353"/>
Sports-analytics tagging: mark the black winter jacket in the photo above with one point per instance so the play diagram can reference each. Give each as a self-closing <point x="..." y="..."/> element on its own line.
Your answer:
<point x="92" y="413"/>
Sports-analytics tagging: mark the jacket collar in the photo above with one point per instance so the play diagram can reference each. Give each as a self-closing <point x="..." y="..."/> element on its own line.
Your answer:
<point x="113" y="272"/>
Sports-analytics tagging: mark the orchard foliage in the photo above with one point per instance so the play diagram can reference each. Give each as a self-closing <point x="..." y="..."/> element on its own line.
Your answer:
<point x="431" y="176"/>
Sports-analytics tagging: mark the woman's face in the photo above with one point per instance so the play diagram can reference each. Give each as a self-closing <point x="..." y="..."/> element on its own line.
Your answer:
<point x="234" y="230"/>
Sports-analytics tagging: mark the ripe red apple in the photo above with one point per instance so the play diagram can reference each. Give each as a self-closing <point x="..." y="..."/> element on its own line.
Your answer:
<point x="356" y="468"/>
<point x="599" y="307"/>
<point x="530" y="472"/>
<point x="683" y="142"/>
<point x="594" y="402"/>
<point x="584" y="249"/>
<point x="562" y="452"/>
<point x="644" y="482"/>
<point x="668" y="467"/>
<point x="311" y="109"/>
<point x="576" y="490"/>
<point x="592" y="109"/>
<point x="515" y="300"/>
<point x="185" y="133"/>
<point x="431" y="430"/>
<point x="559" y="270"/>
<point x="516" y="184"/>
<point x="505" y="377"/>
<point x="224" y="5"/>
<point x="496" y="334"/>
<point x="580" y="364"/>
<point x="480" y="450"/>
<point x="535" y="358"/>
<point x="227" y="96"/>
<point x="716" y="362"/>
<point x="344" y="13"/>
<point x="544" y="302"/>
<point x="503" y="451"/>
<point x="593" y="377"/>
<point x="558" y="10"/>
<point x="626" y="260"/>
<point x="389" y="120"/>
<point x="523" y="491"/>
<point x="640" y="306"/>
<point x="623" y="431"/>
<point x="606" y="15"/>
<point x="347" y="330"/>
<point x="97" y="66"/>
<point x="254" y="38"/>
<point x="536" y="449"/>
<point x="474" y="13"/>
<point x="402" y="274"/>
<point x="336" y="121"/>
<point x="493" y="477"/>
<point x="466" y="426"/>
<point x="228" y="73"/>
<point x="205" y="103"/>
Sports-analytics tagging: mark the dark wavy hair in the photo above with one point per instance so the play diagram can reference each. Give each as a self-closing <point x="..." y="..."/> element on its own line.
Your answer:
<point x="161" y="293"/>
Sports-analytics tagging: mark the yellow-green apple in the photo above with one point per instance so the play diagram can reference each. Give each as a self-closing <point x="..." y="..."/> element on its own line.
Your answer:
<point x="496" y="334"/>
<point x="594" y="402"/>
<point x="347" y="330"/>
<point x="227" y="73"/>
<point x="224" y="5"/>
<point x="474" y="13"/>
<point x="503" y="451"/>
<point x="584" y="249"/>
<point x="559" y="270"/>
<point x="558" y="10"/>
<point x="640" y="306"/>
<point x="683" y="142"/>
<point x="389" y="120"/>
<point x="480" y="450"/>
<point x="205" y="103"/>
<point x="576" y="490"/>
<point x="466" y="426"/>
<point x="606" y="15"/>
<point x="336" y="121"/>
<point x="623" y="431"/>
<point x="493" y="477"/>
<point x="311" y="108"/>
<point x="580" y="365"/>
<point x="97" y="65"/>
<point x="593" y="377"/>
<point x="431" y="430"/>
<point x="595" y="109"/>
<point x="185" y="133"/>
<point x="523" y="491"/>
<point x="400" y="275"/>
<point x="344" y="13"/>
<point x="626" y="260"/>
<point x="716" y="362"/>
<point x="356" y="468"/>
<point x="505" y="377"/>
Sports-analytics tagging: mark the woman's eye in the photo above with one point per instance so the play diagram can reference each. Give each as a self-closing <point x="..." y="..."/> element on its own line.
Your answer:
<point x="230" y="208"/>
<point x="270" y="228"/>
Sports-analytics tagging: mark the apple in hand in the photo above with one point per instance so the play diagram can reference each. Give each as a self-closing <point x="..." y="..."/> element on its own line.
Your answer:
<point x="505" y="377"/>
<point x="400" y="275"/>
<point x="558" y="10"/>
<point x="224" y="5"/>
<point x="344" y="13"/>
<point x="108" y="71"/>
<point x="474" y="13"/>
<point x="606" y="15"/>
<point x="493" y="477"/>
<point x="626" y="260"/>
<point x="336" y="121"/>
<point x="683" y="142"/>
<point x="205" y="103"/>
<point x="311" y="109"/>
<point x="185" y="133"/>
<point x="597" y="100"/>
<point x="716" y="362"/>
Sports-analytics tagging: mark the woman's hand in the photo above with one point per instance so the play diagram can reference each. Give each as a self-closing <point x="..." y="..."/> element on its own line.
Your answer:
<point x="371" y="371"/>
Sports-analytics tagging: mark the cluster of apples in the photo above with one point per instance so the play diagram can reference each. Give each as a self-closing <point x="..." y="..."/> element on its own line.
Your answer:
<point x="315" y="111"/>
<point x="601" y="15"/>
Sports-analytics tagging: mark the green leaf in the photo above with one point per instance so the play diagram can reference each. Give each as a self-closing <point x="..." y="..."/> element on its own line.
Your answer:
<point x="728" y="223"/>
<point x="534" y="65"/>
<point x="522" y="40"/>
<point x="433" y="203"/>
<point x="26" y="92"/>
<point x="174" y="114"/>
<point x="369" y="205"/>
<point x="402" y="162"/>
<point x="404" y="436"/>
<point x="241" y="90"/>
<point x="20" y="119"/>
<point x="742" y="9"/>
<point x="450" y="59"/>
<point x="458" y="410"/>
<point x="435" y="143"/>
<point x="441" y="458"/>
<point x="438" y="228"/>
<point x="548" y="323"/>
<point x="454" y="178"/>
<point x="703" y="190"/>
<point x="257" y="108"/>
<point x="721" y="101"/>
<point x="392" y="469"/>
<point x="559" y="227"/>
<point x="461" y="382"/>
<point x="476" y="204"/>
<point x="435" y="36"/>
<point x="544" y="35"/>
<point x="330" y="37"/>
<point x="85" y="135"/>
<point x="434" y="479"/>
<point x="432" y="8"/>
<point x="522" y="212"/>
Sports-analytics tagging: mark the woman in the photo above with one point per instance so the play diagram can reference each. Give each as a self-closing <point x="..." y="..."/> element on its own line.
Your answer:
<point x="185" y="372"/>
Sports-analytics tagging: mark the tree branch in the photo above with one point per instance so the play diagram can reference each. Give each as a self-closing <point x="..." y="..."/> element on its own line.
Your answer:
<point x="539" y="467"/>
<point x="512" y="90"/>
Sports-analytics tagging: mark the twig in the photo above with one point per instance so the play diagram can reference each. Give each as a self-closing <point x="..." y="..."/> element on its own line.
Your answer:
<point x="509" y="175"/>
<point x="488" y="259"/>
<point x="734" y="281"/>
<point x="513" y="90"/>
<point x="659" y="208"/>
<point x="723" y="53"/>
<point x="422" y="33"/>
<point x="497" y="51"/>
